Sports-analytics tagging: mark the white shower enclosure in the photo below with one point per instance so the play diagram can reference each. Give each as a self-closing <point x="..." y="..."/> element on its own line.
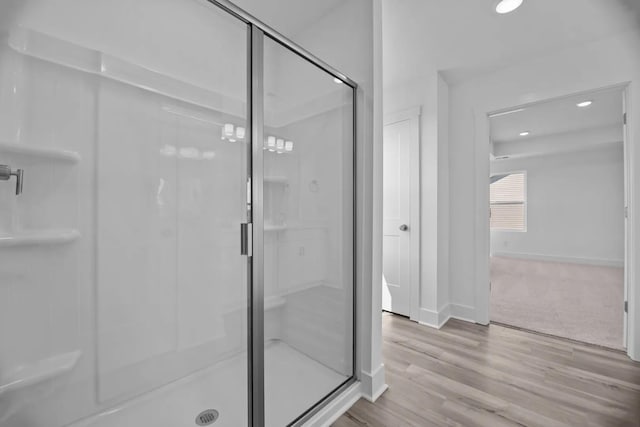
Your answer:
<point x="182" y="249"/>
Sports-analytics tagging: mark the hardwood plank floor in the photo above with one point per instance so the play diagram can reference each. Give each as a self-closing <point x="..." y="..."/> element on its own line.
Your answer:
<point x="472" y="375"/>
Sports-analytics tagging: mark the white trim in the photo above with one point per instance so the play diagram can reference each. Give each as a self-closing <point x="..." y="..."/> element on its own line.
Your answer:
<point x="402" y="115"/>
<point x="379" y="392"/>
<point x="631" y="286"/>
<point x="334" y="410"/>
<point x="482" y="231"/>
<point x="373" y="383"/>
<point x="428" y="318"/>
<point x="435" y="319"/>
<point x="564" y="259"/>
<point x="628" y="246"/>
<point x="462" y="312"/>
<point x="444" y="314"/>
<point x="413" y="116"/>
<point x="483" y="206"/>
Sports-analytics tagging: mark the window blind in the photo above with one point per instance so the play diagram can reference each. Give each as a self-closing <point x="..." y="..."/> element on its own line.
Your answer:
<point x="507" y="197"/>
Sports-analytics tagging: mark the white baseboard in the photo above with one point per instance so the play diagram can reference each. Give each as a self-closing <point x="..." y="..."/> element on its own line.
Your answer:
<point x="335" y="409"/>
<point x="553" y="258"/>
<point x="434" y="319"/>
<point x="444" y="314"/>
<point x="437" y="319"/>
<point x="463" y="312"/>
<point x="373" y="383"/>
<point x="428" y="318"/>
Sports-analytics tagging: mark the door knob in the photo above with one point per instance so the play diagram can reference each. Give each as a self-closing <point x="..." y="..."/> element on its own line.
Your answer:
<point x="404" y="227"/>
<point x="6" y="173"/>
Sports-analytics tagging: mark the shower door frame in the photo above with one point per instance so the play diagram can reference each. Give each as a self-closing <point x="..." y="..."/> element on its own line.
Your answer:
<point x="257" y="31"/>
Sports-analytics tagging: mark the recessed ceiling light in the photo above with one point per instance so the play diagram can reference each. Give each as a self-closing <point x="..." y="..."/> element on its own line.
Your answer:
<point x="584" y="104"/>
<point x="337" y="80"/>
<point x="525" y="133"/>
<point x="507" y="6"/>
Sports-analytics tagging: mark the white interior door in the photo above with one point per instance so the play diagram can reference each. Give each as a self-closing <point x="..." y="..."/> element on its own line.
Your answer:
<point x="397" y="230"/>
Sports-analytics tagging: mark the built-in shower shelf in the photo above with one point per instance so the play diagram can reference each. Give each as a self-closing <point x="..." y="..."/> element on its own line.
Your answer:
<point x="39" y="237"/>
<point x="275" y="227"/>
<point x="74" y="56"/>
<point x="276" y="179"/>
<point x="47" y="153"/>
<point x="39" y="372"/>
<point x="274" y="302"/>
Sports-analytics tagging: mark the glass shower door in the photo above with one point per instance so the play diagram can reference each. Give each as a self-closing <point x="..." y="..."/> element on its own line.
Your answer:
<point x="308" y="234"/>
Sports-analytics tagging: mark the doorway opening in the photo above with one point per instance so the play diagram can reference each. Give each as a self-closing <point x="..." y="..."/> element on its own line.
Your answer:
<point x="558" y="198"/>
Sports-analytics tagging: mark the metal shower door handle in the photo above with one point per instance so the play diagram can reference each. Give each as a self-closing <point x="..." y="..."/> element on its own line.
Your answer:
<point x="404" y="227"/>
<point x="246" y="236"/>
<point x="6" y="173"/>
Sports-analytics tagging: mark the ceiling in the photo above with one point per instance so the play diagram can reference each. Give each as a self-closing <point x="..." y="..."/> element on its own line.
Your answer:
<point x="560" y="116"/>
<point x="289" y="17"/>
<point x="464" y="38"/>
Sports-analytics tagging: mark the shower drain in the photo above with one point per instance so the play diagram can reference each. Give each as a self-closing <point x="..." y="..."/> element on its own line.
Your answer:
<point x="207" y="417"/>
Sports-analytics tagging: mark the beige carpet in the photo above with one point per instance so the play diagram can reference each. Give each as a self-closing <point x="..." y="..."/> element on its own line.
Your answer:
<point x="576" y="301"/>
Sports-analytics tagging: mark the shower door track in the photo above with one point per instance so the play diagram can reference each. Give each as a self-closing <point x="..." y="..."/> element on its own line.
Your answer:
<point x="256" y="33"/>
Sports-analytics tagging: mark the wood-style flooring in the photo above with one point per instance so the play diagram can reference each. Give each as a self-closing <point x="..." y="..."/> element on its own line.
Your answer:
<point x="473" y="375"/>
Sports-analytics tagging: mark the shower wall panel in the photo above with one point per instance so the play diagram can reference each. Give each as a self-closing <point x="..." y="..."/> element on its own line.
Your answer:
<point x="42" y="272"/>
<point x="170" y="278"/>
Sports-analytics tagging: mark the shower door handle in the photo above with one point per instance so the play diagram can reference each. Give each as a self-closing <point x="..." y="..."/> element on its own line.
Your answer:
<point x="246" y="233"/>
<point x="6" y="173"/>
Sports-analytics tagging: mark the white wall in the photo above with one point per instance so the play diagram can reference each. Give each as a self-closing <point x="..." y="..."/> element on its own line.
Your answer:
<point x="603" y="63"/>
<point x="575" y="207"/>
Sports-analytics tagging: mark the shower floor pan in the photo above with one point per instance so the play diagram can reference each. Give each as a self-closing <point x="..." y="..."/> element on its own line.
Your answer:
<point x="293" y="382"/>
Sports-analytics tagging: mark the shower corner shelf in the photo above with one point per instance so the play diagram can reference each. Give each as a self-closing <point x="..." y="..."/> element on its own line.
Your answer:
<point x="273" y="302"/>
<point x="39" y="372"/>
<point x="48" y="153"/>
<point x="38" y="237"/>
<point x="276" y="179"/>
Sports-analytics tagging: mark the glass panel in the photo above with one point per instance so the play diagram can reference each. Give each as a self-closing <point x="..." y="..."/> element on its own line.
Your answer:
<point x="122" y="289"/>
<point x="308" y="237"/>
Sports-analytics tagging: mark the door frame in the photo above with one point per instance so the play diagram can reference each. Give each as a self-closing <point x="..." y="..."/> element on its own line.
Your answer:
<point x="412" y="115"/>
<point x="482" y="290"/>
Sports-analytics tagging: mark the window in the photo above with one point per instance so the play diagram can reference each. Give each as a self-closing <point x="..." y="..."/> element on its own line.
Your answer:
<point x="508" y="200"/>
